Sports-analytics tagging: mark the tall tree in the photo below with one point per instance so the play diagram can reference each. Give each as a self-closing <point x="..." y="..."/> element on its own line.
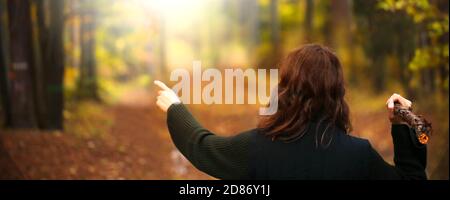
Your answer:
<point x="380" y="35"/>
<point x="308" y="24"/>
<point x="87" y="82"/>
<point x="275" y="37"/>
<point x="249" y="18"/>
<point x="20" y="80"/>
<point x="55" y="56"/>
<point x="33" y="85"/>
<point x="3" y="94"/>
<point x="443" y="67"/>
<point x="50" y="94"/>
<point x="163" y="46"/>
<point x="342" y="37"/>
<point x="39" y="71"/>
<point x="73" y="32"/>
<point x="5" y="105"/>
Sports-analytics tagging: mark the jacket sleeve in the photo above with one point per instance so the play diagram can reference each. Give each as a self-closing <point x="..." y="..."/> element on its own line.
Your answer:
<point x="410" y="159"/>
<point x="220" y="157"/>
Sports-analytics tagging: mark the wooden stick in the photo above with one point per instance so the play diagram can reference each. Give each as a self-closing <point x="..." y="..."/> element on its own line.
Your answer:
<point x="417" y="122"/>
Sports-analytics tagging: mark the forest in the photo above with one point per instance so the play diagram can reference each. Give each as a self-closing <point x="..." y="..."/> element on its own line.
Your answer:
<point x="76" y="92"/>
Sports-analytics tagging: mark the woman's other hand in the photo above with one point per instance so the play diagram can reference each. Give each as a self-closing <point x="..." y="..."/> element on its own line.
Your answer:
<point x="166" y="96"/>
<point x="396" y="98"/>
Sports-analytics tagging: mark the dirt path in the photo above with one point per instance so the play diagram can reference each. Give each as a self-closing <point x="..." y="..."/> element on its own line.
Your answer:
<point x="137" y="147"/>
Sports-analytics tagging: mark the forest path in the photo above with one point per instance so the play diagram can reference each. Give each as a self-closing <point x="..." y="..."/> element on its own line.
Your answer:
<point x="137" y="146"/>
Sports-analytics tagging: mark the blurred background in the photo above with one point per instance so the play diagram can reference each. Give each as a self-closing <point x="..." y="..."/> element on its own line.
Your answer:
<point x="77" y="99"/>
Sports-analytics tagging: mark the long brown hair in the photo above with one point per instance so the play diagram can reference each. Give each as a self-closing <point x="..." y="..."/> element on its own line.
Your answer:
<point x="311" y="89"/>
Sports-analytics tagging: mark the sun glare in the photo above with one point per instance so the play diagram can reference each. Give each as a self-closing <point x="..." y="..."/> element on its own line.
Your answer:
<point x="175" y="7"/>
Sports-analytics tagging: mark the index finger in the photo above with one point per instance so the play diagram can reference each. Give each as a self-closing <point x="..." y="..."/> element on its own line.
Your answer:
<point x="161" y="85"/>
<point x="390" y="103"/>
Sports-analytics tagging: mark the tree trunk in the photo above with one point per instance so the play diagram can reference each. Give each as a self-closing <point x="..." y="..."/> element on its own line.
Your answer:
<point x="341" y="15"/>
<point x="249" y="18"/>
<point x="341" y="37"/>
<point x="327" y="27"/>
<point x="21" y="94"/>
<point x="4" y="99"/>
<point x="56" y="68"/>
<point x="87" y="82"/>
<point x="378" y="73"/>
<point x="74" y="34"/>
<point x="53" y="64"/>
<point x="309" y="14"/>
<point x="49" y="62"/>
<point x="3" y="85"/>
<point x="162" y="48"/>
<point x="443" y="68"/>
<point x="275" y="34"/>
<point x="39" y="46"/>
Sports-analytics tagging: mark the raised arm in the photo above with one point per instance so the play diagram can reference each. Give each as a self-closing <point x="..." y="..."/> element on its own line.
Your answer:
<point x="220" y="157"/>
<point x="410" y="157"/>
